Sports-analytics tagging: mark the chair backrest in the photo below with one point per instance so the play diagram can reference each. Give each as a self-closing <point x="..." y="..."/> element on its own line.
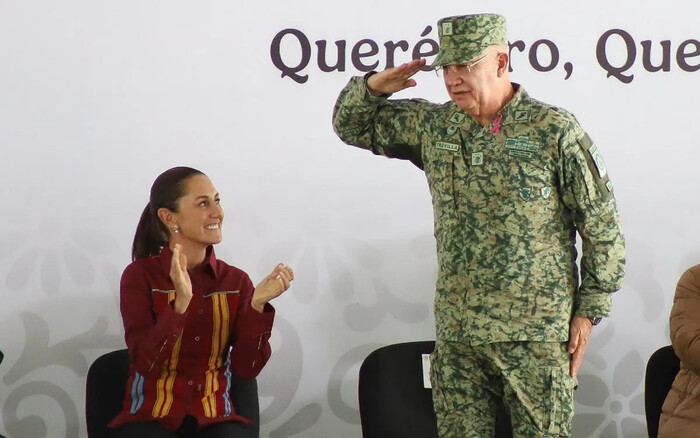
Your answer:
<point x="106" y="385"/>
<point x="661" y="370"/>
<point x="393" y="400"/>
<point x="2" y="356"/>
<point x="104" y="391"/>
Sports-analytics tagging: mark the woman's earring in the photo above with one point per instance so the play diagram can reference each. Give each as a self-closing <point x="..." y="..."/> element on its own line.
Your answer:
<point x="176" y="229"/>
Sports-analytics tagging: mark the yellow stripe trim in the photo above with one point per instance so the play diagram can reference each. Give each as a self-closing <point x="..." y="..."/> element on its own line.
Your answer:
<point x="160" y="391"/>
<point x="166" y="381"/>
<point x="219" y="343"/>
<point x="170" y="382"/>
<point x="209" y="401"/>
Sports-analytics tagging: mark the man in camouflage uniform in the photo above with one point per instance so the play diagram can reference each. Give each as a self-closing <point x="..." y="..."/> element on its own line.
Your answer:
<point x="512" y="180"/>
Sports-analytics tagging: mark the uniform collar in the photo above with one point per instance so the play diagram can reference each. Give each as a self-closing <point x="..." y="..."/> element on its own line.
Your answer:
<point x="508" y="114"/>
<point x="209" y="265"/>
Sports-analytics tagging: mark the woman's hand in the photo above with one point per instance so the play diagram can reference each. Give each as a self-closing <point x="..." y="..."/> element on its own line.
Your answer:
<point x="272" y="286"/>
<point x="181" y="280"/>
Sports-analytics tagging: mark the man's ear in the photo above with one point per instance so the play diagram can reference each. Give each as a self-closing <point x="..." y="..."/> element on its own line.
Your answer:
<point x="503" y="61"/>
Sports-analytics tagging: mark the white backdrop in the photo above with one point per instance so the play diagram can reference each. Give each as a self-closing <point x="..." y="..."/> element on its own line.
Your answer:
<point x="98" y="97"/>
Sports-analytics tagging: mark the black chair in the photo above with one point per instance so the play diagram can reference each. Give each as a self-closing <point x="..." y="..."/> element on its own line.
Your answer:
<point x="662" y="368"/>
<point x="393" y="401"/>
<point x="2" y="356"/>
<point x="106" y="384"/>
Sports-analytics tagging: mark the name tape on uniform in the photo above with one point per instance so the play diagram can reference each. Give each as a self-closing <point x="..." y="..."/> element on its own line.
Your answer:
<point x="447" y="146"/>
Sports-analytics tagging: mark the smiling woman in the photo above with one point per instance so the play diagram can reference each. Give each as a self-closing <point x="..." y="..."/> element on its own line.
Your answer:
<point x="190" y="320"/>
<point x="196" y="222"/>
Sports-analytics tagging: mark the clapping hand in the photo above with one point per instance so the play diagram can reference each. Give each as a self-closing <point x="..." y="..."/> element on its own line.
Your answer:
<point x="272" y="286"/>
<point x="181" y="280"/>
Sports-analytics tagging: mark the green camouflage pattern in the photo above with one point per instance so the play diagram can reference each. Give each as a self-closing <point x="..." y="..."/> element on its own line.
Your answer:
<point x="463" y="38"/>
<point x="506" y="209"/>
<point x="531" y="379"/>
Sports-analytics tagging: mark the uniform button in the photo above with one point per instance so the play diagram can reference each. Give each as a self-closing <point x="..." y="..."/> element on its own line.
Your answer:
<point x="200" y="311"/>
<point x="190" y="383"/>
<point x="196" y="338"/>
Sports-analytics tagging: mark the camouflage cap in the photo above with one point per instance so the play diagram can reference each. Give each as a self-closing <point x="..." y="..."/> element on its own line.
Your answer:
<point x="464" y="37"/>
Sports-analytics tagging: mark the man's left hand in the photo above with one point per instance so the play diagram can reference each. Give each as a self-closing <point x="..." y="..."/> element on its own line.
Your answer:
<point x="579" y="334"/>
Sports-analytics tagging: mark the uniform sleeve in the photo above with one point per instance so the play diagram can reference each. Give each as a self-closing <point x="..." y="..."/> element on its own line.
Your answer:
<point x="588" y="193"/>
<point x="251" y="335"/>
<point x="685" y="319"/>
<point x="392" y="128"/>
<point x="150" y="338"/>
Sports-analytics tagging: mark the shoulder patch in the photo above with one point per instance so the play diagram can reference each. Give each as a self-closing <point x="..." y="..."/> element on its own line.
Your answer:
<point x="596" y="165"/>
<point x="598" y="161"/>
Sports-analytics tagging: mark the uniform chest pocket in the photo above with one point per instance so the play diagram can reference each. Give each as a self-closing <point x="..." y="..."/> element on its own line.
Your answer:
<point x="528" y="197"/>
<point x="442" y="175"/>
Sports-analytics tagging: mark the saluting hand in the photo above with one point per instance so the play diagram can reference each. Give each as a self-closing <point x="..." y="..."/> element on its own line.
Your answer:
<point x="272" y="286"/>
<point x="181" y="280"/>
<point x="395" y="79"/>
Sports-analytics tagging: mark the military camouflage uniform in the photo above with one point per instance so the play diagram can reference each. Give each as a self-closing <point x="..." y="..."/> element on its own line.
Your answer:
<point x="507" y="200"/>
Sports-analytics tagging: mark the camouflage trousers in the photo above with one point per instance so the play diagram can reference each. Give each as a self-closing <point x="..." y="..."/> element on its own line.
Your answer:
<point x="531" y="379"/>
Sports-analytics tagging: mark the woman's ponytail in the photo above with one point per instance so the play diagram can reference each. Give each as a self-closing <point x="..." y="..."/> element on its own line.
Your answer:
<point x="149" y="238"/>
<point x="151" y="235"/>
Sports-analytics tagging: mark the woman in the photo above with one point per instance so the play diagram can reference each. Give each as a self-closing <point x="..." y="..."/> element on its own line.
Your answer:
<point x="680" y="414"/>
<point x="190" y="320"/>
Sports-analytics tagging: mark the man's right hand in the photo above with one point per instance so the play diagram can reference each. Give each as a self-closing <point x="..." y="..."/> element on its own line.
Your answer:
<point x="394" y="79"/>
